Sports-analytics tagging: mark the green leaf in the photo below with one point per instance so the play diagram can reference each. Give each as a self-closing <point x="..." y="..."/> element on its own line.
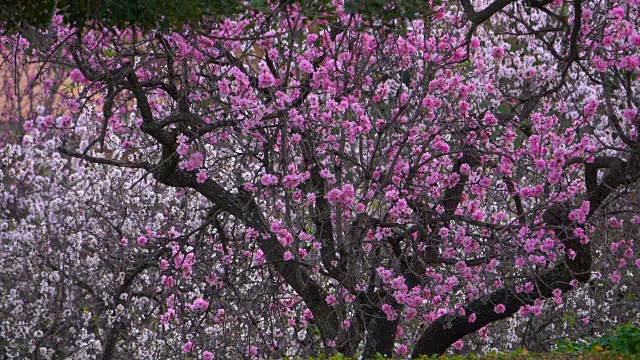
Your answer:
<point x="109" y="53"/>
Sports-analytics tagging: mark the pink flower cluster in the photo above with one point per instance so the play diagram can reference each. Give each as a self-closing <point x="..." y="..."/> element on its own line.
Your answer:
<point x="580" y="214"/>
<point x="199" y="304"/>
<point x="344" y="196"/>
<point x="269" y="180"/>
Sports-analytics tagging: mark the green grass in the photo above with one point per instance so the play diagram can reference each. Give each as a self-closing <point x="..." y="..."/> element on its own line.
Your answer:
<point x="623" y="340"/>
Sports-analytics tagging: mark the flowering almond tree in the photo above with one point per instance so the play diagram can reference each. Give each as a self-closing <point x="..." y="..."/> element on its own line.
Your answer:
<point x="269" y="184"/>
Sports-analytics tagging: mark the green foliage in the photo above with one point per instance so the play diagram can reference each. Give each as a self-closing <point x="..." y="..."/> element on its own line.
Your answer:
<point x="149" y="14"/>
<point x="623" y="340"/>
<point x="385" y="10"/>
<point x="146" y="14"/>
<point x="329" y="357"/>
<point x="14" y="13"/>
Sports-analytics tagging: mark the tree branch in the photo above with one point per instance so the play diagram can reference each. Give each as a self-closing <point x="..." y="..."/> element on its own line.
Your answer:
<point x="243" y="207"/>
<point x="448" y="329"/>
<point x="478" y="18"/>
<point x="62" y="149"/>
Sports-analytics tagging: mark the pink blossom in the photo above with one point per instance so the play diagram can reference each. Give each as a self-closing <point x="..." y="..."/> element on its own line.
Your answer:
<point x="497" y="53"/>
<point x="599" y="64"/>
<point x="499" y="309"/>
<point x="188" y="346"/>
<point x="614" y="246"/>
<point x="390" y="312"/>
<point x="614" y="222"/>
<point x="178" y="260"/>
<point x="288" y="256"/>
<point x="591" y="107"/>
<point x="580" y="233"/>
<point x="292" y="180"/>
<point x="326" y="174"/>
<point x="347" y="194"/>
<point x="258" y="257"/>
<point x="305" y="66"/>
<point x="200" y="304"/>
<point x="266" y="80"/>
<point x="402" y="349"/>
<point x="251" y="351"/>
<point x="615" y="277"/>
<point x="201" y="177"/>
<point x="307" y="314"/>
<point x="164" y="264"/>
<point x="167" y="281"/>
<point x="472" y="318"/>
<point x="142" y="240"/>
<point x="167" y="317"/>
<point x="528" y="287"/>
<point x="629" y="63"/>
<point x="220" y="315"/>
<point x="28" y="126"/>
<point x="490" y="119"/>
<point x="331" y="300"/>
<point x="76" y="76"/>
<point x="630" y="114"/>
<point x="182" y="149"/>
<point x="269" y="180"/>
<point x="580" y="215"/>
<point x="458" y="345"/>
<point x="285" y="238"/>
<point x="334" y="195"/>
<point x="194" y="161"/>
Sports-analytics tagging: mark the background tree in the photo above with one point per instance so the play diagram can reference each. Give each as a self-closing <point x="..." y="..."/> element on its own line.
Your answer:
<point x="271" y="184"/>
<point x="146" y="14"/>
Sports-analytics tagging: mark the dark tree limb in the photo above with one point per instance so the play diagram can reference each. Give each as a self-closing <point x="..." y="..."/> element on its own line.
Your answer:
<point x="113" y="333"/>
<point x="478" y="18"/>
<point x="516" y="197"/>
<point x="450" y="328"/>
<point x="615" y="165"/>
<point x="381" y="331"/>
<point x="96" y="160"/>
<point x="321" y="212"/>
<point x="243" y="207"/>
<point x="613" y="119"/>
<point x="446" y="330"/>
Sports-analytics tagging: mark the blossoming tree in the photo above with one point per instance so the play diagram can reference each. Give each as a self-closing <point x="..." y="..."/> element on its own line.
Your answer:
<point x="269" y="184"/>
